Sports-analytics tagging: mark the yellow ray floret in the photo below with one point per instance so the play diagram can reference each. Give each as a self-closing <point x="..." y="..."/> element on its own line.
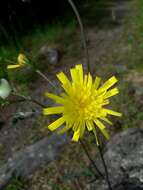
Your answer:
<point x="21" y="61"/>
<point x="53" y="110"/>
<point x="13" y="66"/>
<point x="83" y="104"/>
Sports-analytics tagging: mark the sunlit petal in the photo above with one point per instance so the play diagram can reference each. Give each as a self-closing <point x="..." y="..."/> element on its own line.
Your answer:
<point x="53" y="110"/>
<point x="53" y="126"/>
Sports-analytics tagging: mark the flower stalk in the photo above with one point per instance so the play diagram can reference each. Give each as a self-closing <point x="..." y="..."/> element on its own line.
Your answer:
<point x="90" y="159"/>
<point x="44" y="77"/>
<point x="82" y="33"/>
<point x="103" y="163"/>
<point x="105" y="167"/>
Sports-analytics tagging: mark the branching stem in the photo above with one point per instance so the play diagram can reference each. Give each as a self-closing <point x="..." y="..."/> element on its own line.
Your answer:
<point x="27" y="98"/>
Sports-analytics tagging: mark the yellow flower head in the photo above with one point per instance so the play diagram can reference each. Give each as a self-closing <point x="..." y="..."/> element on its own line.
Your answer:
<point x="82" y="105"/>
<point x="21" y="62"/>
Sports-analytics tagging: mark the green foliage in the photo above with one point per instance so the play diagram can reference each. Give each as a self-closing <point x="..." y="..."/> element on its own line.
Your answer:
<point x="16" y="184"/>
<point x="135" y="37"/>
<point x="128" y="101"/>
<point x="127" y="106"/>
<point x="139" y="16"/>
<point x="56" y="33"/>
<point x="7" y="54"/>
<point x="97" y="12"/>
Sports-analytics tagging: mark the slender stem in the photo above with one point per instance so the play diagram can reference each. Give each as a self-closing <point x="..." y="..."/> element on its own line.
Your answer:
<point x="105" y="167"/>
<point x="44" y="77"/>
<point x="104" y="163"/>
<point x="16" y="101"/>
<point x="37" y="102"/>
<point x="28" y="99"/>
<point x="89" y="157"/>
<point x="82" y="33"/>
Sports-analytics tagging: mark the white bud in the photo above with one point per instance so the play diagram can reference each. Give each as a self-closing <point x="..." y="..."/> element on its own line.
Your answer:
<point x="5" y="88"/>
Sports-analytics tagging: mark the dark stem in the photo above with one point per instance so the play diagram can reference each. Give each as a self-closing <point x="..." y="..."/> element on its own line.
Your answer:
<point x="82" y="33"/>
<point x="90" y="159"/>
<point x="37" y="102"/>
<point x="29" y="99"/>
<point x="104" y="165"/>
<point x="15" y="101"/>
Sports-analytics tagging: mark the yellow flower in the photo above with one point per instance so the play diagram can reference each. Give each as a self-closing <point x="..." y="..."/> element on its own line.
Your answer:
<point x="21" y="62"/>
<point x="82" y="105"/>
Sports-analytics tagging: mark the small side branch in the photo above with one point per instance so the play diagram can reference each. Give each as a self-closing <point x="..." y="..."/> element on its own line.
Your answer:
<point x="27" y="98"/>
<point x="44" y="77"/>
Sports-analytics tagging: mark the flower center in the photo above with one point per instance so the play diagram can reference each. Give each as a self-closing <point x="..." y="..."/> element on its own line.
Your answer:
<point x="86" y="107"/>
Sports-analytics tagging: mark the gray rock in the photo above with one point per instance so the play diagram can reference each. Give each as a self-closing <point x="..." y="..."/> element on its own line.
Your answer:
<point x="124" y="158"/>
<point x="26" y="161"/>
<point x="51" y="55"/>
